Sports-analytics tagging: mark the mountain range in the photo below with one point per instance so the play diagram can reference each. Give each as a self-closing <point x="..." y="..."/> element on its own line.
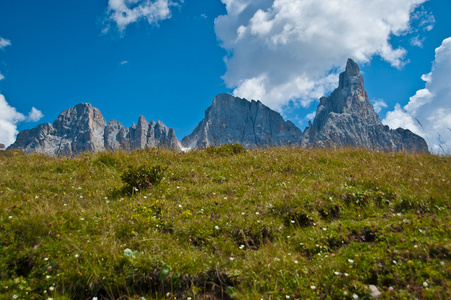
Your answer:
<point x="344" y="119"/>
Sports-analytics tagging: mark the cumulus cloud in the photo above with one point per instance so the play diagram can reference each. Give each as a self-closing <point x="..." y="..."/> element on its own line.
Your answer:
<point x="428" y="112"/>
<point x="125" y="12"/>
<point x="293" y="50"/>
<point x="10" y="117"/>
<point x="34" y="115"/>
<point x="4" y="43"/>
<point x="1" y="77"/>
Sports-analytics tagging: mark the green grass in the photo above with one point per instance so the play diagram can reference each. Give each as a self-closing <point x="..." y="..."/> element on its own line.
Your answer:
<point x="262" y="224"/>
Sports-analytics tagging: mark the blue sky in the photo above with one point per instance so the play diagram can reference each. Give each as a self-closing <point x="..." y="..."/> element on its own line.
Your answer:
<point x="167" y="59"/>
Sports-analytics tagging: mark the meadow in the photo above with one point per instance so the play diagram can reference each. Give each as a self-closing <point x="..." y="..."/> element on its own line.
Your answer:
<point x="225" y="223"/>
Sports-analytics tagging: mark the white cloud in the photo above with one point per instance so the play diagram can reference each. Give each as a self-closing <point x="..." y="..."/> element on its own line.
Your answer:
<point x="310" y="116"/>
<point x="4" y="43"/>
<point x="431" y="106"/>
<point x="125" y="12"/>
<point x="282" y="50"/>
<point x="124" y="62"/>
<point x="400" y="118"/>
<point x="416" y="41"/>
<point x="34" y="115"/>
<point x="10" y="117"/>
<point x="425" y="20"/>
<point x="379" y="105"/>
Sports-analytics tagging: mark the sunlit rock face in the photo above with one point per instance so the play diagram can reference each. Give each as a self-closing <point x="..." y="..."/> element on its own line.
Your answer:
<point x="250" y="123"/>
<point x="82" y="128"/>
<point x="347" y="119"/>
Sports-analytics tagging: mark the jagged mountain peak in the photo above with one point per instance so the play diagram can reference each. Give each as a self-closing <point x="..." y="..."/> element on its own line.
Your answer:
<point x="83" y="128"/>
<point x="235" y="120"/>
<point x="347" y="118"/>
<point x="352" y="68"/>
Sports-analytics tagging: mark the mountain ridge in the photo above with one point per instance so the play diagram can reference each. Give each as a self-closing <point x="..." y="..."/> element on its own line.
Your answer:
<point x="346" y="118"/>
<point x="83" y="128"/>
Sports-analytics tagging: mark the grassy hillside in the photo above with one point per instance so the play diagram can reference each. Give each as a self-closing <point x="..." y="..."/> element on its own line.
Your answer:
<point x="280" y="223"/>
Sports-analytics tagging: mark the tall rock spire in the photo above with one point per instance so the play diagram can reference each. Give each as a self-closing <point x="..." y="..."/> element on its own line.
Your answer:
<point x="347" y="119"/>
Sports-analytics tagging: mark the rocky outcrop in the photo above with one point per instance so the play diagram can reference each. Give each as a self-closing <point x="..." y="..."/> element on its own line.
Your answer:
<point x="2" y="147"/>
<point x="83" y="128"/>
<point x="347" y="119"/>
<point x="250" y="123"/>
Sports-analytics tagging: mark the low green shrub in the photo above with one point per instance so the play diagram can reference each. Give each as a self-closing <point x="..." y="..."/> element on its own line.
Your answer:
<point x="226" y="149"/>
<point x="142" y="177"/>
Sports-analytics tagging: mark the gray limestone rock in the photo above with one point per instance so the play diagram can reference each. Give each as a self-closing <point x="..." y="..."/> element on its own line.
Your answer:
<point x="250" y="123"/>
<point x="82" y="128"/>
<point x="153" y="134"/>
<point x="375" y="294"/>
<point x="116" y="136"/>
<point x="347" y="119"/>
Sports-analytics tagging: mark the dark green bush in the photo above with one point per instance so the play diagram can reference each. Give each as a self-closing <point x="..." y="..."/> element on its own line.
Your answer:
<point x="143" y="177"/>
<point x="226" y="149"/>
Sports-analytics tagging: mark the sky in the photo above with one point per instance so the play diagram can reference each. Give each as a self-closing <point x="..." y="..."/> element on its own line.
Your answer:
<point x="167" y="59"/>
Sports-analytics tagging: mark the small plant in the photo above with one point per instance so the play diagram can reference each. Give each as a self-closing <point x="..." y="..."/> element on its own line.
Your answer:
<point x="226" y="149"/>
<point x="142" y="177"/>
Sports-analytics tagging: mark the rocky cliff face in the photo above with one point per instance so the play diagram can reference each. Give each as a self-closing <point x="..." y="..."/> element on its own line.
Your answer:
<point x="83" y="128"/>
<point x="347" y="119"/>
<point x="249" y="123"/>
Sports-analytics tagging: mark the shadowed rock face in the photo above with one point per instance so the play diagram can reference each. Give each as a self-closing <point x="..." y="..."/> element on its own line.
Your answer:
<point x="83" y="128"/>
<point x="250" y="123"/>
<point x="347" y="119"/>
